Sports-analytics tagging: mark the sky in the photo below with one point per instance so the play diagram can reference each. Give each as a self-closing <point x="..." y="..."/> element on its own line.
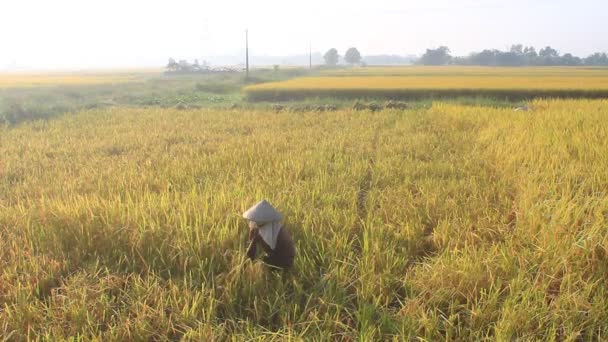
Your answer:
<point x="77" y="34"/>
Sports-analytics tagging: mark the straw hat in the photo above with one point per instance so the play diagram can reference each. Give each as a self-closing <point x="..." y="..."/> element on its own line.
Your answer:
<point x="263" y="212"/>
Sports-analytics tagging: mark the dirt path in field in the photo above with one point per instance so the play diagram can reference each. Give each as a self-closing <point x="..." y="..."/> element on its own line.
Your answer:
<point x="365" y="185"/>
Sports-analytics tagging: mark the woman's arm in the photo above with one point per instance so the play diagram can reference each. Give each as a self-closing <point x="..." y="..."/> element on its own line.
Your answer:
<point x="251" y="251"/>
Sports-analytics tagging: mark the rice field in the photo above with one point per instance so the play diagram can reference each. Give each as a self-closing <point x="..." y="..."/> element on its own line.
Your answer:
<point x="447" y="222"/>
<point x="31" y="80"/>
<point x="409" y="83"/>
<point x="472" y="71"/>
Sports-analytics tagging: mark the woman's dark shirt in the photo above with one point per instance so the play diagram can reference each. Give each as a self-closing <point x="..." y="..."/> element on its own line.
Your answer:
<point x="283" y="254"/>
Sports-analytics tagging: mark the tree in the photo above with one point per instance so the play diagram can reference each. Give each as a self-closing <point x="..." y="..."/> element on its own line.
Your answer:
<point x="510" y="58"/>
<point x="548" y="56"/>
<point x="548" y="52"/>
<point x="485" y="57"/>
<point x="530" y="55"/>
<point x="331" y="57"/>
<point x="517" y="49"/>
<point x="184" y="66"/>
<point x="570" y="60"/>
<point x="352" y="56"/>
<point x="196" y="66"/>
<point x="597" y="59"/>
<point x="530" y="52"/>
<point x="172" y="65"/>
<point x="439" y="56"/>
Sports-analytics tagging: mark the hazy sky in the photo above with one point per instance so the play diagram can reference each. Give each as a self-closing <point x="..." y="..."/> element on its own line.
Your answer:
<point x="110" y="33"/>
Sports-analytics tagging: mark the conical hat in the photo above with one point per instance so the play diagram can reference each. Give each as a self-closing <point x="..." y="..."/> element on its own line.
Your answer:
<point x="263" y="212"/>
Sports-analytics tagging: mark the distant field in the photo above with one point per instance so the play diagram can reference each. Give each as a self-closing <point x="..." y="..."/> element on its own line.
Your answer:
<point x="32" y="96"/>
<point x="425" y="82"/>
<point x="442" y="223"/>
<point x="419" y="70"/>
<point x="21" y="80"/>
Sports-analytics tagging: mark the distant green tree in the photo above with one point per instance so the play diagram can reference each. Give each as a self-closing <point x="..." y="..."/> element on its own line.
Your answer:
<point x="352" y="56"/>
<point x="518" y="55"/>
<point x="570" y="60"/>
<point x="172" y="65"/>
<point x="439" y="56"/>
<point x="510" y="58"/>
<point x="485" y="57"/>
<point x="548" y="56"/>
<point x="331" y="57"/>
<point x="517" y="49"/>
<point x="530" y="52"/>
<point x="597" y="59"/>
<point x="530" y="55"/>
<point x="548" y="52"/>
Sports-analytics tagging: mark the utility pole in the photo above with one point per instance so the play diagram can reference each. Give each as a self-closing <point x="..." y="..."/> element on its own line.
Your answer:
<point x="247" y="54"/>
<point x="310" y="56"/>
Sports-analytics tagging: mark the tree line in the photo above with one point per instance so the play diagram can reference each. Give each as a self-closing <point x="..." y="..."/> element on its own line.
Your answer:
<point x="185" y="67"/>
<point x="517" y="55"/>
<point x="352" y="56"/>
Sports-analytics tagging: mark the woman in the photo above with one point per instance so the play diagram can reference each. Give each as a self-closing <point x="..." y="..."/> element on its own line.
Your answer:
<point x="266" y="229"/>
